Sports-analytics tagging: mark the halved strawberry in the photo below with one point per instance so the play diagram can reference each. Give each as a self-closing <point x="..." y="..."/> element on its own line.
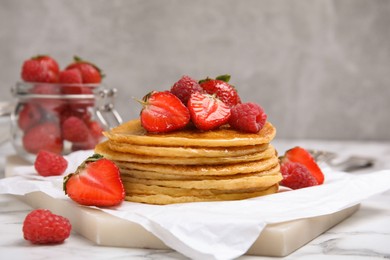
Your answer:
<point x="302" y="156"/>
<point x="222" y="89"/>
<point x="96" y="182"/>
<point x="207" y="111"/>
<point x="163" y="112"/>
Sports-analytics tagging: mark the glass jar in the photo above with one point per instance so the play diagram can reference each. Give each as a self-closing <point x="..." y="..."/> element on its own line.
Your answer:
<point x="60" y="118"/>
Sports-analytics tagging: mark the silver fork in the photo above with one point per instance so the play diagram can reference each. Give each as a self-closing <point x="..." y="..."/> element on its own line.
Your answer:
<point x="349" y="164"/>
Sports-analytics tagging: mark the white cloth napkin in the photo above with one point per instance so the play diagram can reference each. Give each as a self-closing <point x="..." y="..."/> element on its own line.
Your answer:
<point x="218" y="230"/>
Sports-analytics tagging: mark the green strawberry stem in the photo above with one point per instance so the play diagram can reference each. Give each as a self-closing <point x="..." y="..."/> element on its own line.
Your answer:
<point x="225" y="78"/>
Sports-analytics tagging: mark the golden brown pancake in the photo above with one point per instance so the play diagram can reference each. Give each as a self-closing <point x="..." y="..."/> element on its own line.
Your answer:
<point x="193" y="170"/>
<point x="163" y="199"/>
<point x="104" y="149"/>
<point x="176" y="151"/>
<point x="132" y="132"/>
<point x="191" y="165"/>
<point x="235" y="182"/>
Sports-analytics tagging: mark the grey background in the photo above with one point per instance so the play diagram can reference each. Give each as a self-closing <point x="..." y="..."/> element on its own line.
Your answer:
<point x="319" y="68"/>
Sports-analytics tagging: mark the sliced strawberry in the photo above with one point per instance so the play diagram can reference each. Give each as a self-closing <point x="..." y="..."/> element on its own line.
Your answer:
<point x="222" y="89"/>
<point x="207" y="112"/>
<point x="163" y="112"/>
<point x="96" y="182"/>
<point x="302" y="156"/>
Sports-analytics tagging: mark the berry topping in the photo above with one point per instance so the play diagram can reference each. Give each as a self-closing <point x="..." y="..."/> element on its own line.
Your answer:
<point x="41" y="68"/>
<point x="43" y="227"/>
<point x="45" y="136"/>
<point x="296" y="176"/>
<point x="302" y="156"/>
<point x="185" y="87"/>
<point x="96" y="182"/>
<point x="222" y="89"/>
<point x="247" y="117"/>
<point x="50" y="164"/>
<point x="207" y="112"/>
<point x="163" y="112"/>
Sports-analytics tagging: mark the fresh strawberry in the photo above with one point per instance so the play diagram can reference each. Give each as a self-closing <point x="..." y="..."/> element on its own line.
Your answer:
<point x="207" y="112"/>
<point x="247" y="117"/>
<point x="96" y="182"/>
<point x="41" y="68"/>
<point x="70" y="76"/>
<point x="302" y="156"/>
<point x="73" y="81"/>
<point x="163" y="112"/>
<point x="41" y="226"/>
<point x="29" y="116"/>
<point x="185" y="87"/>
<point x="296" y="176"/>
<point x="90" y="73"/>
<point x="44" y="136"/>
<point x="222" y="89"/>
<point x="74" y="129"/>
<point x="50" y="164"/>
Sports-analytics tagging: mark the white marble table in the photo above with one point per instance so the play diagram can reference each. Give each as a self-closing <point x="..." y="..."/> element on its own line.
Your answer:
<point x="365" y="235"/>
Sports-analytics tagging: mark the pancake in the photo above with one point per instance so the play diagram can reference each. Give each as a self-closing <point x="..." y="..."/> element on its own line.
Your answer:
<point x="235" y="182"/>
<point x="180" y="152"/>
<point x="104" y="149"/>
<point x="132" y="132"/>
<point x="191" y="165"/>
<point x="163" y="199"/>
<point x="194" y="170"/>
<point x="144" y="189"/>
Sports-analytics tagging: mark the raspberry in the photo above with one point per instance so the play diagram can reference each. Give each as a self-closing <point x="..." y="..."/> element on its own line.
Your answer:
<point x="50" y="164"/>
<point x="74" y="129"/>
<point x="29" y="116"/>
<point x="185" y="87"/>
<point x="296" y="176"/>
<point x="45" y="136"/>
<point x="247" y="117"/>
<point x="43" y="227"/>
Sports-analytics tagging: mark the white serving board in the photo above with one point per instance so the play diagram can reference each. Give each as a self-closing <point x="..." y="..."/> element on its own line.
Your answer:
<point x="104" y="229"/>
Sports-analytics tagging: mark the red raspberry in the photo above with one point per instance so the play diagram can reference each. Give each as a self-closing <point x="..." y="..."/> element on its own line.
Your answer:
<point x="29" y="116"/>
<point x="50" y="164"/>
<point x="74" y="129"/>
<point x="247" y="117"/>
<point x="45" y="136"/>
<point x="185" y="87"/>
<point x="296" y="176"/>
<point x="43" y="227"/>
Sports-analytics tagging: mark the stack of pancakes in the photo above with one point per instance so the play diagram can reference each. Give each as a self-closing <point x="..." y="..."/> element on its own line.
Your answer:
<point x="192" y="165"/>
